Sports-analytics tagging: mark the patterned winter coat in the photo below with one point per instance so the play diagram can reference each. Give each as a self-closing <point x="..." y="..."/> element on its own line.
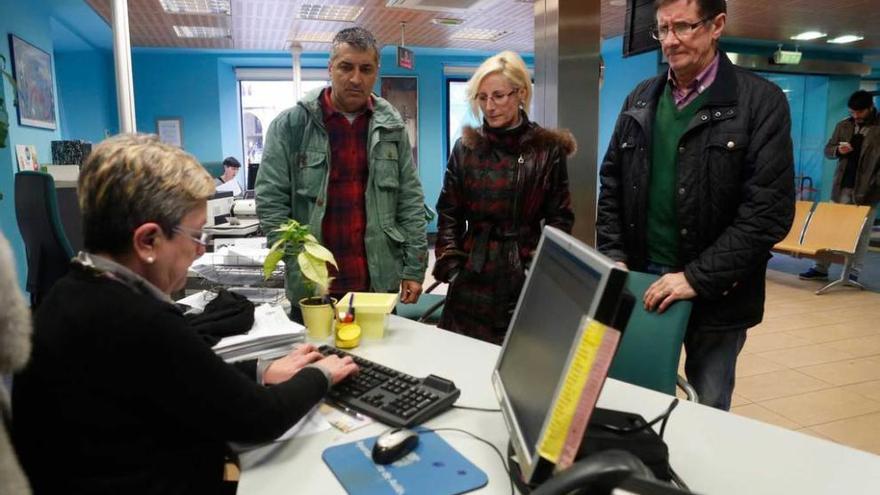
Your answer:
<point x="500" y="186"/>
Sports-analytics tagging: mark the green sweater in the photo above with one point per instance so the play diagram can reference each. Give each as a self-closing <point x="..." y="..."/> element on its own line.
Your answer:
<point x="669" y="126"/>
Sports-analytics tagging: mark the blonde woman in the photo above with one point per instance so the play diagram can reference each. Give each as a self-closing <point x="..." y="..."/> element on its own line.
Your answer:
<point x="504" y="180"/>
<point x="121" y="395"/>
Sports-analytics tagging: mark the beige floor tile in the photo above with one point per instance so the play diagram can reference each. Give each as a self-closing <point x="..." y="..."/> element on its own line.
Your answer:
<point x="822" y="406"/>
<point x="753" y="364"/>
<point x="772" y="342"/>
<point x="860" y="432"/>
<point x="777" y="384"/>
<point x="859" y="347"/>
<point x="755" y="411"/>
<point x="837" y="331"/>
<point x="870" y="390"/>
<point x="813" y="433"/>
<point x="845" y="372"/>
<point x="806" y="355"/>
<point x="738" y="400"/>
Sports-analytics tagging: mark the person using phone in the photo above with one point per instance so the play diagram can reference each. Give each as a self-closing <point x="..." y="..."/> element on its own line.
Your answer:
<point x="856" y="145"/>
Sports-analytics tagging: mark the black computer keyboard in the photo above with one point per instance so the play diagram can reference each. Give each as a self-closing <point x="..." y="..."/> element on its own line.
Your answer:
<point x="390" y="396"/>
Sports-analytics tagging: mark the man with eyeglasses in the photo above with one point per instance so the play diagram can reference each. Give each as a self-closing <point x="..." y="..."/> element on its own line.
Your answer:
<point x="340" y="161"/>
<point x="855" y="144"/>
<point x="697" y="185"/>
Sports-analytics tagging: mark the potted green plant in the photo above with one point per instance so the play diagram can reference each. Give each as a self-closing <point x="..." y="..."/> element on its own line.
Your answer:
<point x="295" y="240"/>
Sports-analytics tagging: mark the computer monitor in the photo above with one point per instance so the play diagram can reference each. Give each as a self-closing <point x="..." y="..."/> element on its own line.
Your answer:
<point x="557" y="351"/>
<point x="219" y="207"/>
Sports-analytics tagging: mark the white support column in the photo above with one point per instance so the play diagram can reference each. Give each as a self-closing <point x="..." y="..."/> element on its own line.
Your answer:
<point x="122" y="60"/>
<point x="296" y="53"/>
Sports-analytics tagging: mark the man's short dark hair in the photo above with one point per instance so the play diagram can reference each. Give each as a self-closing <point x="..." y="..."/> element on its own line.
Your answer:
<point x="860" y="100"/>
<point x="707" y="9"/>
<point x="231" y="161"/>
<point x="356" y="37"/>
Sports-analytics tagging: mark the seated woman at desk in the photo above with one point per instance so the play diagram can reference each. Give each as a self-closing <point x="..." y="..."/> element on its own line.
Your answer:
<point x="121" y="396"/>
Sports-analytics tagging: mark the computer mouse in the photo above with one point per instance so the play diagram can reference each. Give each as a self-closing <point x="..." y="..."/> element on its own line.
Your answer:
<point x="394" y="444"/>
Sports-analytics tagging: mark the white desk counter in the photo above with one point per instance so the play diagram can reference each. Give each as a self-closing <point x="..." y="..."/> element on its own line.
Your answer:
<point x="714" y="452"/>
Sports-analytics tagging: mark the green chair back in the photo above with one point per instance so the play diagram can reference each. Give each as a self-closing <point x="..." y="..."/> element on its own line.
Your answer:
<point x="651" y="346"/>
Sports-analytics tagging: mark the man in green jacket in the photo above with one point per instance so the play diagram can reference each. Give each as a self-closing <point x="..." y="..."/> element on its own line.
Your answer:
<point x="340" y="161"/>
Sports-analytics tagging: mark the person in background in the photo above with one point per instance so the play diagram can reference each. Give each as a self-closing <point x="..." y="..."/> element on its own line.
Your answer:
<point x="15" y="348"/>
<point x="340" y="162"/>
<point x="856" y="145"/>
<point x="231" y="166"/>
<point x="697" y="186"/>
<point x="121" y="394"/>
<point x="504" y="181"/>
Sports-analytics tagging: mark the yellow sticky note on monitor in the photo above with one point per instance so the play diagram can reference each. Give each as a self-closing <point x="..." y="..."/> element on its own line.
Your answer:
<point x="580" y="390"/>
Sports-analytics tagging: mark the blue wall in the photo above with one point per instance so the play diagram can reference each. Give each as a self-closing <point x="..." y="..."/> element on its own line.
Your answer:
<point x="87" y="89"/>
<point x="30" y="22"/>
<point x="621" y="76"/>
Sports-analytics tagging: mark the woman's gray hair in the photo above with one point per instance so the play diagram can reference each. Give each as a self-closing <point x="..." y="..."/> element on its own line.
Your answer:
<point x="357" y="37"/>
<point x="131" y="179"/>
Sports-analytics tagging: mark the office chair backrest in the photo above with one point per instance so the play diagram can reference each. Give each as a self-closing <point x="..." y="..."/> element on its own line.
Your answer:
<point x="48" y="250"/>
<point x="651" y="346"/>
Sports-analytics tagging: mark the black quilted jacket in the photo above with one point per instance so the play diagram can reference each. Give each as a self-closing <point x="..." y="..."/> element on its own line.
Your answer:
<point x="735" y="191"/>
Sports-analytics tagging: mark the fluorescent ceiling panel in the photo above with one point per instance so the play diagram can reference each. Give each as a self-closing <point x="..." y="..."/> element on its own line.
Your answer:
<point x="347" y="13"/>
<point x="201" y="32"/>
<point x="321" y="37"/>
<point x="809" y="35"/>
<point x="196" y="6"/>
<point x="478" y="34"/>
<point x="847" y="38"/>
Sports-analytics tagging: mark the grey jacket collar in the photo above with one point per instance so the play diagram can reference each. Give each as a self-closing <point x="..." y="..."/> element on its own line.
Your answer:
<point x="122" y="274"/>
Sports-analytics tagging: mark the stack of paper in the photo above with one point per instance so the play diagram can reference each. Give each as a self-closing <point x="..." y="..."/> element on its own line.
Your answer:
<point x="273" y="335"/>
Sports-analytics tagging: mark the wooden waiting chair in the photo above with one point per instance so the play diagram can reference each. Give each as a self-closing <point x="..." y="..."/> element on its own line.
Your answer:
<point x="803" y="210"/>
<point x="833" y="230"/>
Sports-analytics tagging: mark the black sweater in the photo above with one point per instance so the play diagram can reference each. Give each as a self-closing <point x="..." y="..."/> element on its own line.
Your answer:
<point x="121" y="396"/>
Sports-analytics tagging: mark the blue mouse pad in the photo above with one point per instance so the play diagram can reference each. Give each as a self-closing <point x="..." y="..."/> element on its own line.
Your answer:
<point x="434" y="467"/>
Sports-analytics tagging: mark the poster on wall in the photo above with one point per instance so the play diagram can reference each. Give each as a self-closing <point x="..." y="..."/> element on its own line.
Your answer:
<point x="26" y="155"/>
<point x="36" y="88"/>
<point x="403" y="94"/>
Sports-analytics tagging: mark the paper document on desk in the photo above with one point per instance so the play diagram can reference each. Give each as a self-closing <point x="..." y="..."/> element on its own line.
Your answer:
<point x="272" y="335"/>
<point x="311" y="423"/>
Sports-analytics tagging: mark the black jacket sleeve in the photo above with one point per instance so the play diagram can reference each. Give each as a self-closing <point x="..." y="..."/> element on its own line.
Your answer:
<point x="450" y="221"/>
<point x="180" y="375"/>
<point x="609" y="215"/>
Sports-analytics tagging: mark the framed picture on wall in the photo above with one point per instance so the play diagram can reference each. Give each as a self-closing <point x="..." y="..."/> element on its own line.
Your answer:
<point x="403" y="94"/>
<point x="170" y="130"/>
<point x="36" y="86"/>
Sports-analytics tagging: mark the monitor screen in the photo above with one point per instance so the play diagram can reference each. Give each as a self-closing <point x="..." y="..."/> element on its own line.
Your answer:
<point x="568" y="283"/>
<point x="640" y="19"/>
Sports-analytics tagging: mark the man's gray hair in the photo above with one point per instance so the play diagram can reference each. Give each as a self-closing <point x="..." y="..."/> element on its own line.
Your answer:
<point x="356" y="37"/>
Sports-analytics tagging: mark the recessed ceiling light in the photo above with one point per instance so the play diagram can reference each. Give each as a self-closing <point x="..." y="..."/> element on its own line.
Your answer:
<point x="201" y="32"/>
<point x="319" y="37"/>
<point x="446" y="21"/>
<point x="617" y="3"/>
<point x="847" y="38"/>
<point x="809" y="35"/>
<point x="195" y="6"/>
<point x="347" y="13"/>
<point x="469" y="34"/>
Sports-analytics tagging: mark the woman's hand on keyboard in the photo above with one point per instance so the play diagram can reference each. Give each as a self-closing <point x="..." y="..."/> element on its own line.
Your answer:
<point x="339" y="368"/>
<point x="282" y="369"/>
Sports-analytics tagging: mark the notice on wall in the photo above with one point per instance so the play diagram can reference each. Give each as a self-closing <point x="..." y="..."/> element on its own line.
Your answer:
<point x="169" y="131"/>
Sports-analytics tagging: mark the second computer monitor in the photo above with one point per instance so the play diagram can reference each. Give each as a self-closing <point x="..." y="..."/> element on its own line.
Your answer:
<point x="571" y="299"/>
